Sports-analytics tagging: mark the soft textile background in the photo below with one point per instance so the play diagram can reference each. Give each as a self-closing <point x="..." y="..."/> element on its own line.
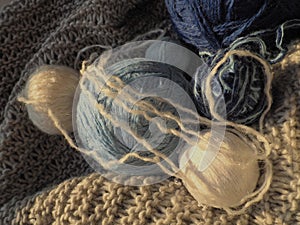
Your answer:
<point x="44" y="181"/>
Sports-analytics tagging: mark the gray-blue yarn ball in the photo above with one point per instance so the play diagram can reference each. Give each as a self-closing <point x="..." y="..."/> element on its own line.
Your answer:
<point x="96" y="132"/>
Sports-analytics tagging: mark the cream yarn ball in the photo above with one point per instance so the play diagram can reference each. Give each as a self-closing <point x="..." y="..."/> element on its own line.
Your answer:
<point x="228" y="178"/>
<point x="51" y="87"/>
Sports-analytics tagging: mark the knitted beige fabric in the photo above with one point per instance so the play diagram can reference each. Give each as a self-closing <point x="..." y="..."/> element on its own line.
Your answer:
<point x="44" y="181"/>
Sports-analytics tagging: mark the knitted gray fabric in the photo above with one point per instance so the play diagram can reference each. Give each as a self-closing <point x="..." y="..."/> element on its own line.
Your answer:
<point x="40" y="32"/>
<point x="44" y="181"/>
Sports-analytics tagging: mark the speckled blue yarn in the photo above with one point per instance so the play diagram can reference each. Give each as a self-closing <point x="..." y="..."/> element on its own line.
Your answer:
<point x="240" y="83"/>
<point x="211" y="25"/>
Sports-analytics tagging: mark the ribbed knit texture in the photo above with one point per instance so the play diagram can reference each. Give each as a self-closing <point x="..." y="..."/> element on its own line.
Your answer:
<point x="44" y="181"/>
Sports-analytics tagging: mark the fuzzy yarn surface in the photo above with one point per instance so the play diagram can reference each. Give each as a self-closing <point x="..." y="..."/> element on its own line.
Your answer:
<point x="44" y="181"/>
<point x="211" y="25"/>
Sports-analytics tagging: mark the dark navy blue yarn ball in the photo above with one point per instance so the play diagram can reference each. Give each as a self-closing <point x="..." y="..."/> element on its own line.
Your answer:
<point x="211" y="25"/>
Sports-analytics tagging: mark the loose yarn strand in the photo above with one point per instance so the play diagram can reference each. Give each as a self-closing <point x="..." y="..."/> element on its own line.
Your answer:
<point x="257" y="37"/>
<point x="246" y="53"/>
<point x="254" y="39"/>
<point x="144" y="36"/>
<point x="27" y="101"/>
<point x="76" y="62"/>
<point x="71" y="142"/>
<point x="280" y="35"/>
<point x="256" y="195"/>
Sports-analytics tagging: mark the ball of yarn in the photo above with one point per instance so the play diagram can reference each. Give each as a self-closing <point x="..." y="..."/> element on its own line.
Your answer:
<point x="51" y="88"/>
<point x="224" y="180"/>
<point x="211" y="25"/>
<point x="111" y="141"/>
<point x="238" y="90"/>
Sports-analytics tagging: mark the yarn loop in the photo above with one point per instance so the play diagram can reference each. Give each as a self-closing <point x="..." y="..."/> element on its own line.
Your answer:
<point x="240" y="82"/>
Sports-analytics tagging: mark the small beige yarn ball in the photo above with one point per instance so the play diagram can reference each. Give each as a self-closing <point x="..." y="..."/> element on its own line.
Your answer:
<point x="224" y="180"/>
<point x="51" y="87"/>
